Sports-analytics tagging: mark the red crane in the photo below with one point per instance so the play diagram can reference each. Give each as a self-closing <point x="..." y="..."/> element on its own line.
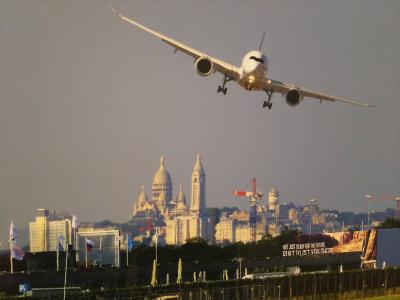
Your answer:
<point x="394" y="198"/>
<point x="254" y="196"/>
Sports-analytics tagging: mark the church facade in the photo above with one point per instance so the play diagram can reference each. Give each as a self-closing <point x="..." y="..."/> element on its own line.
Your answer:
<point x="177" y="221"/>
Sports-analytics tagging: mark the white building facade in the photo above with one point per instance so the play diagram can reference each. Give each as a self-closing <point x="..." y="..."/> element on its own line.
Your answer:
<point x="44" y="232"/>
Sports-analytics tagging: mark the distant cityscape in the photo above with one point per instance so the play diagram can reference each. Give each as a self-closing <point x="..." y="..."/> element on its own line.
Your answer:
<point x="168" y="220"/>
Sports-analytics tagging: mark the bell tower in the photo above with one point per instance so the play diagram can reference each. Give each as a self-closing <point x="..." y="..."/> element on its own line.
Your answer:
<point x="198" y="201"/>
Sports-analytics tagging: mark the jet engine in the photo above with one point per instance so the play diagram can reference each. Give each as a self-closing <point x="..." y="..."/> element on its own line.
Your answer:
<point x="204" y="66"/>
<point x="294" y="97"/>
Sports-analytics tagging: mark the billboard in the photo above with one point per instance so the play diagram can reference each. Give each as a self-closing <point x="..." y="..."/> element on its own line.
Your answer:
<point x="327" y="243"/>
<point x="377" y="247"/>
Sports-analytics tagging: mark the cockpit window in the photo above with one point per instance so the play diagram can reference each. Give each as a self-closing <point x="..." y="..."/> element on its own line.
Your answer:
<point x="260" y="60"/>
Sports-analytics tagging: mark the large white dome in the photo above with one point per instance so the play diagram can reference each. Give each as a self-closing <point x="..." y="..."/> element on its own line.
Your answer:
<point x="162" y="176"/>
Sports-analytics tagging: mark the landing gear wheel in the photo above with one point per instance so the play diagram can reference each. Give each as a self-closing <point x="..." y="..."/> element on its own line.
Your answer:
<point x="222" y="90"/>
<point x="267" y="104"/>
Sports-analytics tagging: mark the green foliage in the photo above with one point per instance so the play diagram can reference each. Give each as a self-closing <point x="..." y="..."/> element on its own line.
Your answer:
<point x="197" y="250"/>
<point x="390" y="223"/>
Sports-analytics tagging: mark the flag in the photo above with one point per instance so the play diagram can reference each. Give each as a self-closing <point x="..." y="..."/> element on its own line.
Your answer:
<point x="89" y="244"/>
<point x="60" y="243"/>
<point x="13" y="232"/>
<point x="16" y="252"/>
<point x="130" y="244"/>
<point x="75" y="222"/>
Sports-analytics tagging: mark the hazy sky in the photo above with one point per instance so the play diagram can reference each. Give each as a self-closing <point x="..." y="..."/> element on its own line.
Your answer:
<point x="88" y="103"/>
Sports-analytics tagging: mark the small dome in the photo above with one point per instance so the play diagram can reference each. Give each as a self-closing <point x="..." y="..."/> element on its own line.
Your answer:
<point x="181" y="206"/>
<point x="162" y="176"/>
<point x="274" y="191"/>
<point x="181" y="196"/>
<point x="142" y="198"/>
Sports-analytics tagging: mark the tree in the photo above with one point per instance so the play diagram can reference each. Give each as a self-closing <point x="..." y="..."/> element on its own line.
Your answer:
<point x="390" y="223"/>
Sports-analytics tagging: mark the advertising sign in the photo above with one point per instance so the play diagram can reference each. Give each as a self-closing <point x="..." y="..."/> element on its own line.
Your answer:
<point x="327" y="243"/>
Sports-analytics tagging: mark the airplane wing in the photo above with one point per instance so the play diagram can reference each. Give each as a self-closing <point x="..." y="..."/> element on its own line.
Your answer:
<point x="283" y="88"/>
<point x="220" y="66"/>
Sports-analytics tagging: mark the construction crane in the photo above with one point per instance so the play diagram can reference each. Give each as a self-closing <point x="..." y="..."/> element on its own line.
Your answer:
<point x="255" y="195"/>
<point x="394" y="198"/>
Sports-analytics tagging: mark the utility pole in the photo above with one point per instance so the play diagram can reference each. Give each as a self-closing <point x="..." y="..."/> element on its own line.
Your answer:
<point x="394" y="198"/>
<point x="369" y="197"/>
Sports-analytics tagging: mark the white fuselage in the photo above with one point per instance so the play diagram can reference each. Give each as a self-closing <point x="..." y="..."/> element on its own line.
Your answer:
<point x="253" y="70"/>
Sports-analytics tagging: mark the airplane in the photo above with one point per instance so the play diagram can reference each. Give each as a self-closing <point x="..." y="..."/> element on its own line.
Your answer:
<point x="251" y="75"/>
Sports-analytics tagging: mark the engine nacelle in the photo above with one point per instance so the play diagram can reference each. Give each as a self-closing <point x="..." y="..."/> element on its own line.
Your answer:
<point x="204" y="66"/>
<point x="294" y="97"/>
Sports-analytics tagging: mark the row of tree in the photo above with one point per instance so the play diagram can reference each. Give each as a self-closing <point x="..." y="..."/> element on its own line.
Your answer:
<point x="197" y="250"/>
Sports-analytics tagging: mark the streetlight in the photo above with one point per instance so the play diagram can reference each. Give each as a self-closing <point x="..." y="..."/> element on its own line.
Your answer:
<point x="311" y="212"/>
<point x="279" y="292"/>
<point x="369" y="197"/>
<point x="397" y="199"/>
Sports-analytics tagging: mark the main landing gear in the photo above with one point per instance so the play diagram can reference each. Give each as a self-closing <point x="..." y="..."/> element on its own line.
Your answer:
<point x="222" y="88"/>
<point x="267" y="103"/>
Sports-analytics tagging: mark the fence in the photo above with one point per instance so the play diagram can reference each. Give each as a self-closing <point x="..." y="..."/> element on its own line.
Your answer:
<point x="315" y="286"/>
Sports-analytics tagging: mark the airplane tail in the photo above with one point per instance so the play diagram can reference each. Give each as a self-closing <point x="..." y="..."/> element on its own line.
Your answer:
<point x="262" y="41"/>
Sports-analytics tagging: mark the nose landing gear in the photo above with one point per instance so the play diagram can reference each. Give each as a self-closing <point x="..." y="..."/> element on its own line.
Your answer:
<point x="222" y="88"/>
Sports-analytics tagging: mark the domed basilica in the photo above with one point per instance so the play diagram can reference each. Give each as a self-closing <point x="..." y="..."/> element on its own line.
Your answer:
<point x="162" y="204"/>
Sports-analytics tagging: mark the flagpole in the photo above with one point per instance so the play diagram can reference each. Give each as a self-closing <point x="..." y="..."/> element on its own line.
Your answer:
<point x="65" y="272"/>
<point x="11" y="260"/>
<point x="156" y="247"/>
<point x="58" y="259"/>
<point x="117" y="245"/>
<point x="74" y="238"/>
<point x="58" y="253"/>
<point x="11" y="241"/>
<point x="101" y="252"/>
<point x="127" y="250"/>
